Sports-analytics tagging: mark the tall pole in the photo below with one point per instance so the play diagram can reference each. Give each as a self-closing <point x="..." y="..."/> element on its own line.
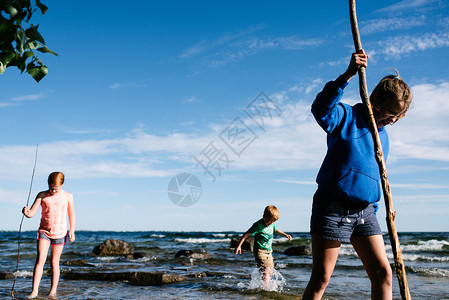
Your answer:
<point x="391" y="214"/>
<point x="20" y="228"/>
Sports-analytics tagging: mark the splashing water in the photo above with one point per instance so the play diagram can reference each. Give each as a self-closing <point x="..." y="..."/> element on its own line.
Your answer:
<point x="275" y="284"/>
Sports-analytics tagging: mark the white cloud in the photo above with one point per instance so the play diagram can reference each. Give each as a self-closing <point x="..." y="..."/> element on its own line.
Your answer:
<point x="7" y="104"/>
<point x="382" y="25"/>
<point x="297" y="182"/>
<point x="292" y="141"/>
<point x="207" y="45"/>
<point x="192" y="99"/>
<point x="406" y="5"/>
<point x="401" y="45"/>
<point x="16" y="100"/>
<point x="32" y="97"/>
<point x="423" y="133"/>
<point x="125" y="85"/>
<point x="417" y="186"/>
<point x="234" y="47"/>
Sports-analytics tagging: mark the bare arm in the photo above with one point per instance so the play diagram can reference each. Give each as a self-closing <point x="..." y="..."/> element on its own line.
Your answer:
<point x="30" y="212"/>
<point x="238" y="249"/>
<point x="278" y="231"/>
<point x="72" y="218"/>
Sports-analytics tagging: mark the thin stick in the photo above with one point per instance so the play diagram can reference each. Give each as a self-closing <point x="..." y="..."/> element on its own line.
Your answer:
<point x="391" y="214"/>
<point x="20" y="228"/>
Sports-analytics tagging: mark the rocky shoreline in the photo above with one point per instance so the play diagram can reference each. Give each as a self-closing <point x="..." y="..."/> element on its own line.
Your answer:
<point x="124" y="249"/>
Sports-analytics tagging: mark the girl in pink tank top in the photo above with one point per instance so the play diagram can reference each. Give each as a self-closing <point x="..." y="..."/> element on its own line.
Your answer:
<point x="56" y="204"/>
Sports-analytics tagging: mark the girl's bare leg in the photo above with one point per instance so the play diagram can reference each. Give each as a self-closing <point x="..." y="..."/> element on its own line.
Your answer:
<point x="42" y="250"/>
<point x="371" y="250"/>
<point x="325" y="254"/>
<point x="56" y="251"/>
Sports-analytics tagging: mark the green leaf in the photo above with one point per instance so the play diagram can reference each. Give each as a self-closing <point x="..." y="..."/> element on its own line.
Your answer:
<point x="20" y="39"/>
<point x="21" y="61"/>
<point x="27" y="54"/>
<point x="44" y="49"/>
<point x="11" y="10"/>
<point x="37" y="72"/>
<point x="41" y="6"/>
<point x="31" y="45"/>
<point x="2" y="68"/>
<point x="7" y="57"/>
<point x="34" y="35"/>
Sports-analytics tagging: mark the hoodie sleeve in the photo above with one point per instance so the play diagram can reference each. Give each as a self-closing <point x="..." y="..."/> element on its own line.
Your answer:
<point x="325" y="108"/>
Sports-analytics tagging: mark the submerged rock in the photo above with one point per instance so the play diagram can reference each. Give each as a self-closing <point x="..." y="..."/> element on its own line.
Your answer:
<point x="137" y="255"/>
<point x="76" y="262"/>
<point x="134" y="278"/>
<point x="113" y="247"/>
<point x="6" y="275"/>
<point x="248" y="244"/>
<point x="195" y="253"/>
<point x="298" y="250"/>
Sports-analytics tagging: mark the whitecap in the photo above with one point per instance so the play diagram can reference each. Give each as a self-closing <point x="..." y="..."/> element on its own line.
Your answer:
<point x="201" y="240"/>
<point x="23" y="274"/>
<point x="431" y="271"/>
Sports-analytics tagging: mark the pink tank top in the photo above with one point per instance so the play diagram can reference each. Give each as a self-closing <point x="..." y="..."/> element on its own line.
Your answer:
<point x="54" y="215"/>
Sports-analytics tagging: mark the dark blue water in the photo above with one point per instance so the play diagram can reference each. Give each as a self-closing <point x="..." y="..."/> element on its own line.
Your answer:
<point x="228" y="276"/>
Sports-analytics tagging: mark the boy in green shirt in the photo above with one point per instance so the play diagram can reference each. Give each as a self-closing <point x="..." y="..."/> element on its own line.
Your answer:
<point x="263" y="231"/>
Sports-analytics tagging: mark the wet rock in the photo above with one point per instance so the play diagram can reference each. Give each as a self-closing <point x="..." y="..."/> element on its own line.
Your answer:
<point x="182" y="268"/>
<point x="113" y="247"/>
<point x="137" y="255"/>
<point x="248" y="244"/>
<point x="195" y="253"/>
<point x="298" y="250"/>
<point x="76" y="262"/>
<point x="146" y="278"/>
<point x="6" y="275"/>
<point x="134" y="278"/>
<point x="197" y="275"/>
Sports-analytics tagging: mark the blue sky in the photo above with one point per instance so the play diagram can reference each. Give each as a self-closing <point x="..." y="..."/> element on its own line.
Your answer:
<point x="139" y="93"/>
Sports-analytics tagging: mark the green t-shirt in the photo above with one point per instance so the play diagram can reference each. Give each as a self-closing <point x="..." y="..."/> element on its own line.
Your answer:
<point x="263" y="234"/>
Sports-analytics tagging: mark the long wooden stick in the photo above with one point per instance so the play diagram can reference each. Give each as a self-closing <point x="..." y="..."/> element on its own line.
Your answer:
<point x="20" y="228"/>
<point x="391" y="214"/>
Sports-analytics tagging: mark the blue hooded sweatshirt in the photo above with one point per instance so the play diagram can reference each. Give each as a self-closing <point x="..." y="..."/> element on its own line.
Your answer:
<point x="349" y="171"/>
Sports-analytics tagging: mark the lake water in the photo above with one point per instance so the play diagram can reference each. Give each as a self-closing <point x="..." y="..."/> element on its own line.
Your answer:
<point x="228" y="276"/>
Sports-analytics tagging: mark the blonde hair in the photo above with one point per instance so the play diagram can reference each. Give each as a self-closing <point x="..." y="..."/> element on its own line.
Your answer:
<point x="271" y="212"/>
<point x="391" y="90"/>
<point x="55" y="179"/>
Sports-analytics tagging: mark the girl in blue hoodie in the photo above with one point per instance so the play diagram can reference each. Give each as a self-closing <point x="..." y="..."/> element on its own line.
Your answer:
<point x="345" y="203"/>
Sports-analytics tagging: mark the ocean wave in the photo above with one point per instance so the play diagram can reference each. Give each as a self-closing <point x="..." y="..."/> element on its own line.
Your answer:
<point x="347" y="250"/>
<point x="431" y="245"/>
<point x="417" y="257"/>
<point x="144" y="259"/>
<point x="202" y="240"/>
<point x="221" y="235"/>
<point x="157" y="235"/>
<point x="24" y="274"/>
<point x="108" y="258"/>
<point x="430" y="271"/>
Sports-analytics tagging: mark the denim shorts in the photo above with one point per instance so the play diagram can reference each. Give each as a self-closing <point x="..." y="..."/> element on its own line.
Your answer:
<point x="333" y="219"/>
<point x="43" y="236"/>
